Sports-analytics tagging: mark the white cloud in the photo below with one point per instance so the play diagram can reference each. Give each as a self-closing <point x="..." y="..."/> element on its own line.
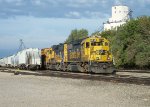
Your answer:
<point x="37" y="2"/>
<point x="87" y="15"/>
<point x="118" y="2"/>
<point x="74" y="14"/>
<point x="41" y="32"/>
<point x="45" y="2"/>
<point x="143" y="2"/>
<point x="88" y="3"/>
<point x="16" y="2"/>
<point x="96" y="14"/>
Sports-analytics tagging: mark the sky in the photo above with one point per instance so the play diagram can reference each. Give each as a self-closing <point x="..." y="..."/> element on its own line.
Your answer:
<point x="43" y="23"/>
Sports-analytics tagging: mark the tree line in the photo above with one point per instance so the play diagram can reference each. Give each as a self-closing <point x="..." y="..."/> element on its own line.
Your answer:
<point x="76" y="35"/>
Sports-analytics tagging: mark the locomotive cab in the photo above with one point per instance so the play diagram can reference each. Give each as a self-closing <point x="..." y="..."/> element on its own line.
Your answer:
<point x="96" y="52"/>
<point x="96" y="49"/>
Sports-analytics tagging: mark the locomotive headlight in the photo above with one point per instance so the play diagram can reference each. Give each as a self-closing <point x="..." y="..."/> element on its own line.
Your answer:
<point x="108" y="58"/>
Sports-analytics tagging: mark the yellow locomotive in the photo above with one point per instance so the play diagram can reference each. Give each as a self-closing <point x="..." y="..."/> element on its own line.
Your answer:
<point x="91" y="55"/>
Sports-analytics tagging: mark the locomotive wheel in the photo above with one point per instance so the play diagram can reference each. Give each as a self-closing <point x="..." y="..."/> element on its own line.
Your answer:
<point x="64" y="67"/>
<point x="57" y="67"/>
<point x="86" y="68"/>
<point x="37" y="67"/>
<point x="69" y="68"/>
<point x="81" y="67"/>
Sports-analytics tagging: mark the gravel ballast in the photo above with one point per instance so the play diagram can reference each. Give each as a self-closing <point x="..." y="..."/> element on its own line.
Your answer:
<point x="38" y="91"/>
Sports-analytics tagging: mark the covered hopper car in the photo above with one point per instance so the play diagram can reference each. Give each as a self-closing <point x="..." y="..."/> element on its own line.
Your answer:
<point x="25" y="59"/>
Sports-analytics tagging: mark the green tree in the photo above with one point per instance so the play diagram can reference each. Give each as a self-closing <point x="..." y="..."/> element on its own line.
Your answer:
<point x="130" y="43"/>
<point x="76" y="35"/>
<point x="106" y="34"/>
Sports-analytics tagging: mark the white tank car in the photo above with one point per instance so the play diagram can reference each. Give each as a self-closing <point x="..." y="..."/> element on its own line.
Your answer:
<point x="19" y="60"/>
<point x="33" y="59"/>
<point x="25" y="59"/>
<point x="28" y="59"/>
<point x="2" y="62"/>
<point x="5" y="61"/>
<point x="9" y="61"/>
<point x="16" y="60"/>
<point x="12" y="59"/>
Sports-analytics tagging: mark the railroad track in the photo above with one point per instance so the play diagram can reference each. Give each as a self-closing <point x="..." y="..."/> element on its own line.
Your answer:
<point x="134" y="71"/>
<point x="126" y="78"/>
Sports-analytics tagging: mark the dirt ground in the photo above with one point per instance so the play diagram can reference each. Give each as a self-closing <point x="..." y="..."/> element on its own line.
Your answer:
<point x="39" y="91"/>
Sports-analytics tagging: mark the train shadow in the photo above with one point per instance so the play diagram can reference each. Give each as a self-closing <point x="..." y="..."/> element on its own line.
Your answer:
<point x="129" y="79"/>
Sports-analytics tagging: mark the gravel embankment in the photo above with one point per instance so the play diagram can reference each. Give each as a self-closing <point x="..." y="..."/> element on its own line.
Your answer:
<point x="36" y="91"/>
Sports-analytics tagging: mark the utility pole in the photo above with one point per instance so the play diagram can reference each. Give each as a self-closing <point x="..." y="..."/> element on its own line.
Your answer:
<point x="22" y="45"/>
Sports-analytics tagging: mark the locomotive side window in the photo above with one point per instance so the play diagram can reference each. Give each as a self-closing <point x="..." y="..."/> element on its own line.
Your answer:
<point x="92" y="44"/>
<point x="87" y="44"/>
<point x="97" y="44"/>
<point x="100" y="43"/>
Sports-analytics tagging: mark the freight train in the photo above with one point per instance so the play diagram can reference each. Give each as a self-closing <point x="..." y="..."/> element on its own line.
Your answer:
<point x="90" y="55"/>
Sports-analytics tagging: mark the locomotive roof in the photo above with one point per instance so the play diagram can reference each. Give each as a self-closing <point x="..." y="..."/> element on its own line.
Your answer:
<point x="58" y="47"/>
<point x="76" y="41"/>
<point x="93" y="37"/>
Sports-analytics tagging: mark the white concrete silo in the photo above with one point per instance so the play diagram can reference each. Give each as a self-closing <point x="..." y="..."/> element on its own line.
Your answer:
<point x="120" y="15"/>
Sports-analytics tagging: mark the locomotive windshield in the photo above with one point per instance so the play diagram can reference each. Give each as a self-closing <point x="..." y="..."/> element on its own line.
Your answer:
<point x="97" y="43"/>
